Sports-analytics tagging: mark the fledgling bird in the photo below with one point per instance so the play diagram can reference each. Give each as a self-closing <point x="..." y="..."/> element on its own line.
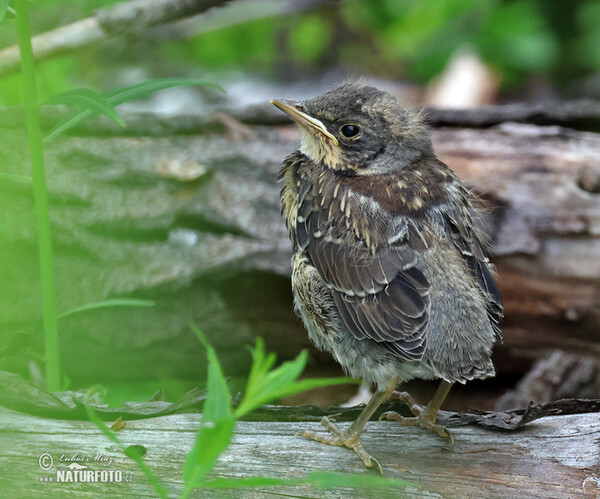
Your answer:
<point x="389" y="271"/>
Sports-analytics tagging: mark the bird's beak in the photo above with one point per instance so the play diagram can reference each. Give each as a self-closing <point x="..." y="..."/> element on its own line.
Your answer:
<point x="294" y="110"/>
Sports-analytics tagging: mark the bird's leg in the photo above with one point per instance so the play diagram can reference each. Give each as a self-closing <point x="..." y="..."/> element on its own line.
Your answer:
<point x="351" y="436"/>
<point x="425" y="417"/>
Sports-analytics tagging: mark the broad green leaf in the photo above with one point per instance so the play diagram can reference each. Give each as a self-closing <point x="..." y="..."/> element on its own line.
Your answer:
<point x="217" y="424"/>
<point x="217" y="406"/>
<point x="87" y="100"/>
<point x="116" y="302"/>
<point x="212" y="440"/>
<point x="126" y="94"/>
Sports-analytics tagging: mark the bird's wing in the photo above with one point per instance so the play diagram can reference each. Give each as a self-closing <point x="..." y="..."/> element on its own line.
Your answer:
<point x="464" y="234"/>
<point x="380" y="293"/>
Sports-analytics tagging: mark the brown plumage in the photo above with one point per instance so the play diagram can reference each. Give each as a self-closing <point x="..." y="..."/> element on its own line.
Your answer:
<point x="389" y="267"/>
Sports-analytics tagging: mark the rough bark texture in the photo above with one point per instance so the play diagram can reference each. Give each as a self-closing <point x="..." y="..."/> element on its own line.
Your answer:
<point x="556" y="456"/>
<point x="559" y="376"/>
<point x="185" y="211"/>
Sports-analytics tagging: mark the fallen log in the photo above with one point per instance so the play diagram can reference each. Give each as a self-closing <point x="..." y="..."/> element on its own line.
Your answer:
<point x="557" y="456"/>
<point x="190" y="218"/>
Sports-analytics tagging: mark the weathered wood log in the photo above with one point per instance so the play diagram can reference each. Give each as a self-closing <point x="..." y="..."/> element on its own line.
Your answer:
<point x="554" y="457"/>
<point x="192" y="221"/>
<point x="582" y="114"/>
<point x="560" y="375"/>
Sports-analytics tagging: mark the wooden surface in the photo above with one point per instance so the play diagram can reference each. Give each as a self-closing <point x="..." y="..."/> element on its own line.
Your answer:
<point x="552" y="457"/>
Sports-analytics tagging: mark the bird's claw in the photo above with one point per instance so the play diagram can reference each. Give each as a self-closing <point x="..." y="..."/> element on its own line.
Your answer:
<point x="423" y="417"/>
<point x="421" y="421"/>
<point x="341" y="438"/>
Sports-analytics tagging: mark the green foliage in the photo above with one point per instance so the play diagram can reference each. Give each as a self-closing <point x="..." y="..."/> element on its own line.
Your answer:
<point x="216" y="427"/>
<point x="310" y="37"/>
<point x="92" y="103"/>
<point x="407" y="38"/>
<point x="516" y="38"/>
<point x="249" y="44"/>
<point x="264" y="385"/>
<point x="52" y="77"/>
<point x="584" y="49"/>
<point x="87" y="100"/>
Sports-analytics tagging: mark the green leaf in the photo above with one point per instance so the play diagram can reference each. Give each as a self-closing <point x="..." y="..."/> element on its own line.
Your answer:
<point x="126" y="94"/>
<point x="88" y="100"/>
<point x="217" y="424"/>
<point x="116" y="302"/>
<point x="265" y="385"/>
<point x="310" y="383"/>
<point x="209" y="445"/>
<point x="218" y="404"/>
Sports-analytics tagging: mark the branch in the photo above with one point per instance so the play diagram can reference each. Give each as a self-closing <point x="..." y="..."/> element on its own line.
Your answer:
<point x="120" y="19"/>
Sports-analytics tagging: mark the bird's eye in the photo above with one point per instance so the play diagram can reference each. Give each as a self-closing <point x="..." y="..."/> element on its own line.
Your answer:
<point x="349" y="131"/>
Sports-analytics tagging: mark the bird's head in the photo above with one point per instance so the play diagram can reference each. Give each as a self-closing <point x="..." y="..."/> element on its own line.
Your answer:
<point x="358" y="130"/>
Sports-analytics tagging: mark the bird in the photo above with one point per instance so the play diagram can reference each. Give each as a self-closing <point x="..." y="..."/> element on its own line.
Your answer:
<point x="390" y="267"/>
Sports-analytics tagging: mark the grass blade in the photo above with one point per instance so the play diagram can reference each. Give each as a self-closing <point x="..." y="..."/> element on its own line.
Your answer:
<point x="125" y="94"/>
<point x="86" y="99"/>
<point x="146" y="88"/>
<point x="116" y="302"/>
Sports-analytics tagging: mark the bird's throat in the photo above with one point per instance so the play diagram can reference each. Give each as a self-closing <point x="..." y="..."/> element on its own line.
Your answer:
<point x="320" y="149"/>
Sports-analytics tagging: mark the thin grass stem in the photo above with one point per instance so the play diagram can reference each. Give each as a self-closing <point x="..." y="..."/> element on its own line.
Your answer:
<point x="40" y="193"/>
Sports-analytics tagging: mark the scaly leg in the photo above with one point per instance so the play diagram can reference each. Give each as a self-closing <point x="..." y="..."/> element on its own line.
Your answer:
<point x="351" y="437"/>
<point x="425" y="417"/>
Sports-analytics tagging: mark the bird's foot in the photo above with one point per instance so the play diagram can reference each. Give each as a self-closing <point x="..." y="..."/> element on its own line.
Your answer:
<point x="425" y="416"/>
<point x="348" y="438"/>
